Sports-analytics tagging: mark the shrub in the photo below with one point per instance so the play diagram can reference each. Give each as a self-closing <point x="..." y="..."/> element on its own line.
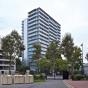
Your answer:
<point x="77" y="72"/>
<point x="42" y="76"/>
<point x="36" y="76"/>
<point x="78" y="77"/>
<point x="39" y="76"/>
<point x="86" y="77"/>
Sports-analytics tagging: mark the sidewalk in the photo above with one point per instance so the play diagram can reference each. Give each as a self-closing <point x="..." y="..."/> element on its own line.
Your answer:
<point x="76" y="84"/>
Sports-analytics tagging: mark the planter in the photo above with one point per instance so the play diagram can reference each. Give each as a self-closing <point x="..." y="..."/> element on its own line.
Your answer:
<point x="29" y="79"/>
<point x="6" y="79"/>
<point x="19" y="79"/>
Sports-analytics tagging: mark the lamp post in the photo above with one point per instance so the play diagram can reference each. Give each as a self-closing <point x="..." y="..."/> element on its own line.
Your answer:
<point x="82" y="59"/>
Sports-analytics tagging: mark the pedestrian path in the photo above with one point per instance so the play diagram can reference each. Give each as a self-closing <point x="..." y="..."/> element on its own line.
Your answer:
<point x="47" y="84"/>
<point x="76" y="84"/>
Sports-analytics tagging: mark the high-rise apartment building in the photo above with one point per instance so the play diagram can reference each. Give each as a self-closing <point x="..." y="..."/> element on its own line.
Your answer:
<point x="24" y="37"/>
<point x="40" y="28"/>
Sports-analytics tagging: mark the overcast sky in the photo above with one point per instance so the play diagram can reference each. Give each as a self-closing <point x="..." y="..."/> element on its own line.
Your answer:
<point x="71" y="14"/>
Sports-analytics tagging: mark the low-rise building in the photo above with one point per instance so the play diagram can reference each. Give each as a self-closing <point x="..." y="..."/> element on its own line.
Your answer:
<point x="86" y="69"/>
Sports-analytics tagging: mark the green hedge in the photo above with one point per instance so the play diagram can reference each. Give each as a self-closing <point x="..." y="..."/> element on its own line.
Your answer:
<point x="39" y="76"/>
<point x="78" y="77"/>
<point x="86" y="77"/>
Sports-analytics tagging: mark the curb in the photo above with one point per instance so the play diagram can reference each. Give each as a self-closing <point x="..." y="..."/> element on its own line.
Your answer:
<point x="67" y="84"/>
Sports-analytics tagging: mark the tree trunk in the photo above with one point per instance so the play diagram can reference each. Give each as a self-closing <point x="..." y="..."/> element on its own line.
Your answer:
<point x="72" y="70"/>
<point x="53" y="69"/>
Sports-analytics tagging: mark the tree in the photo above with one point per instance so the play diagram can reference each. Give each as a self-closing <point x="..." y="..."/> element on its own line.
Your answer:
<point x="71" y="52"/>
<point x="18" y="44"/>
<point x="44" y="65"/>
<point x="61" y="65"/>
<point x="67" y="46"/>
<point x="52" y="54"/>
<point x="36" y="54"/>
<point x="20" y="68"/>
<point x="8" y="50"/>
<point x="18" y="64"/>
<point x="37" y="51"/>
<point x="53" y="51"/>
<point x="76" y="59"/>
<point x="12" y="47"/>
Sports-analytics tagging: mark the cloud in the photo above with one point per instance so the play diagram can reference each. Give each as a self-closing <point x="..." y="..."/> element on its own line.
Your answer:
<point x="8" y="30"/>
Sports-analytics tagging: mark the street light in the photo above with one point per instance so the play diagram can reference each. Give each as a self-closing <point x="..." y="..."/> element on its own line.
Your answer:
<point x="82" y="59"/>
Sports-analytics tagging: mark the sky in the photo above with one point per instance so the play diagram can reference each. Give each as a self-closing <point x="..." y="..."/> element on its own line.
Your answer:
<point x="71" y="14"/>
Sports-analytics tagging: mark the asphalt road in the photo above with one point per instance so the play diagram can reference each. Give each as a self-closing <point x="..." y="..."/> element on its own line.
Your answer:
<point x="47" y="84"/>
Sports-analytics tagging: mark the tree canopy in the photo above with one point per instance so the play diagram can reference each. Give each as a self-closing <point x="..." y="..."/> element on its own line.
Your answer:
<point x="12" y="46"/>
<point x="44" y="65"/>
<point x="71" y="52"/>
<point x="67" y="46"/>
<point x="37" y="51"/>
<point x="53" y="51"/>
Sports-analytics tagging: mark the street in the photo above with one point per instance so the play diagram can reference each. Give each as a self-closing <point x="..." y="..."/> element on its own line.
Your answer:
<point x="47" y="84"/>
